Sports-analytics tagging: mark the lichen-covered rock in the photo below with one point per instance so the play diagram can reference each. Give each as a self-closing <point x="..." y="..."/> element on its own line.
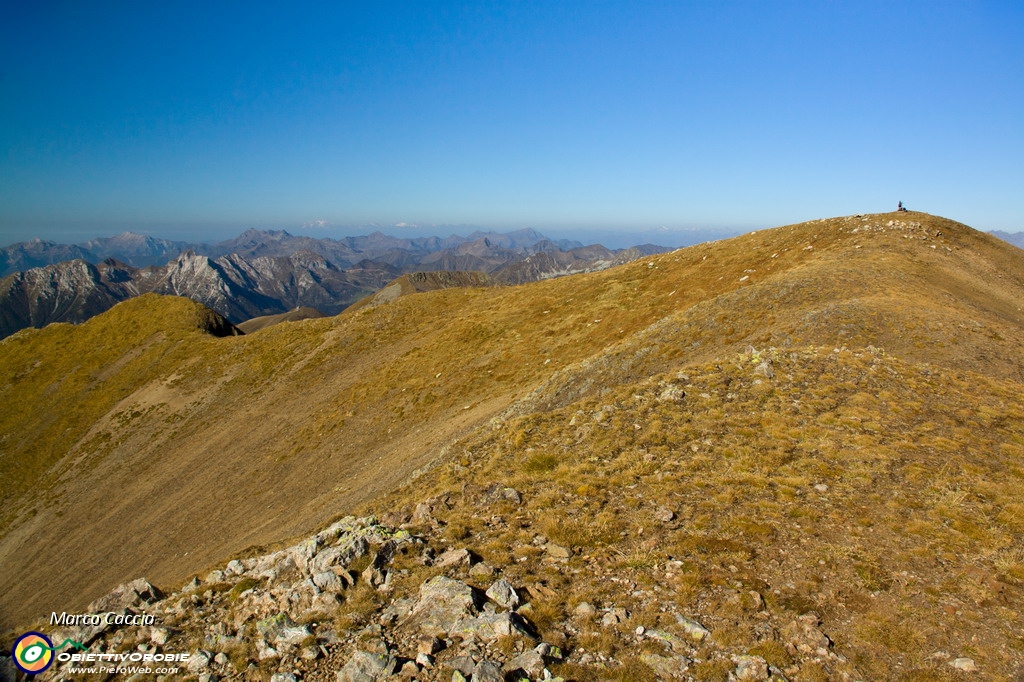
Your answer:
<point x="280" y="629"/>
<point x="750" y="668"/>
<point x="692" y="629"/>
<point x="365" y="666"/>
<point x="667" y="667"/>
<point x="444" y="602"/>
<point x="504" y="594"/>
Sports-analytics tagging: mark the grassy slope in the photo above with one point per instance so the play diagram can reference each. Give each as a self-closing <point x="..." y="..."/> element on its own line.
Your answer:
<point x="883" y="496"/>
<point x="187" y="448"/>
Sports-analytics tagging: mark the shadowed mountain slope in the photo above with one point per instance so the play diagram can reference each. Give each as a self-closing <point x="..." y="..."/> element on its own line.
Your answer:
<point x="418" y="282"/>
<point x="138" y="429"/>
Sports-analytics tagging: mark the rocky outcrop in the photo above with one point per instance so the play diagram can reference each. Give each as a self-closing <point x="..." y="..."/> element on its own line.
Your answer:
<point x="72" y="291"/>
<point x="303" y="613"/>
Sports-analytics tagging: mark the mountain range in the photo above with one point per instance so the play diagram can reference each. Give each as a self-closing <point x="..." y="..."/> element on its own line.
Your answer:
<point x="260" y="274"/>
<point x="795" y="454"/>
<point x="1015" y="238"/>
<point x="141" y="250"/>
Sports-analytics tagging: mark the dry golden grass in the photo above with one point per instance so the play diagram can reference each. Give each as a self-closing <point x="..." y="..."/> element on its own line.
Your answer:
<point x="190" y="444"/>
<point x="877" y="536"/>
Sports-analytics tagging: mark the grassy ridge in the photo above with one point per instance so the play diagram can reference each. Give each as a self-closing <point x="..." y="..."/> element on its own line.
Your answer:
<point x="59" y="381"/>
<point x="138" y="427"/>
<point x="881" y="495"/>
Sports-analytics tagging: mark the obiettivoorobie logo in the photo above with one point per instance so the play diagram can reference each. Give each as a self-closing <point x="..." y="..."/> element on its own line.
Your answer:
<point x="33" y="652"/>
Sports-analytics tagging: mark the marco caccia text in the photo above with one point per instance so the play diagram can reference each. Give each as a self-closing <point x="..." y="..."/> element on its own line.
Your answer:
<point x="111" y="618"/>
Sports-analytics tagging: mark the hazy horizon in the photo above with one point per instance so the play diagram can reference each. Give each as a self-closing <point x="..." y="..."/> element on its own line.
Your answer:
<point x="609" y="237"/>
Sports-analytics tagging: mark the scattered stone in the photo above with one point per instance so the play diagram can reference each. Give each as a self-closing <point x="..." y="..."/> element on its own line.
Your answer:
<point x="765" y="369"/>
<point x="692" y="629"/>
<point x="428" y="644"/>
<point x="487" y="671"/>
<point x="499" y="493"/>
<point x="302" y="584"/>
<point x="803" y="636"/>
<point x="557" y="551"/>
<point x="482" y="570"/>
<point x="529" y="662"/>
<point x="280" y="629"/>
<point x="750" y="668"/>
<point x="367" y="667"/>
<point x="490" y="626"/>
<point x="672" y="393"/>
<point x="664" y="514"/>
<point x="199" y="661"/>
<point x="667" y="667"/>
<point x="463" y="664"/>
<point x="965" y="664"/>
<point x="284" y="677"/>
<point x="614" y="617"/>
<point x="443" y="603"/>
<point x="503" y="594"/>
<point x="674" y="642"/>
<point x="453" y="557"/>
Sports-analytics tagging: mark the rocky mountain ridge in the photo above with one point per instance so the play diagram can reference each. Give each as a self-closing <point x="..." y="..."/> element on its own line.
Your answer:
<point x="269" y="273"/>
<point x="140" y="250"/>
<point x="1015" y="238"/>
<point x="236" y="287"/>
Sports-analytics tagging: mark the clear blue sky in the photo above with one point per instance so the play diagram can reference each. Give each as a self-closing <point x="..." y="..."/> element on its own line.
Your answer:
<point x="190" y="119"/>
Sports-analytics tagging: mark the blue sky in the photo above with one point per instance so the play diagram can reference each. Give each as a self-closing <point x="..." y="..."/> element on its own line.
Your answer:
<point x="621" y="121"/>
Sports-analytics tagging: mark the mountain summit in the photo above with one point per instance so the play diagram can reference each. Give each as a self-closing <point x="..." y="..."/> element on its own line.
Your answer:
<point x="805" y="441"/>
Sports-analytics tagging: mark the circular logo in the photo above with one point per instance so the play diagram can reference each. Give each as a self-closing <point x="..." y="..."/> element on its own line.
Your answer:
<point x="32" y="653"/>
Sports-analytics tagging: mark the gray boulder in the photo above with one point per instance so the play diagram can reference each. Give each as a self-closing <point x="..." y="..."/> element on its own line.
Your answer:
<point x="504" y="594"/>
<point x="367" y="667"/>
<point x="443" y="604"/>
